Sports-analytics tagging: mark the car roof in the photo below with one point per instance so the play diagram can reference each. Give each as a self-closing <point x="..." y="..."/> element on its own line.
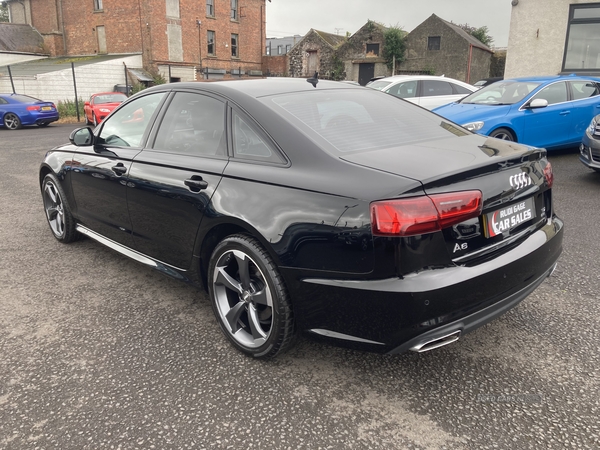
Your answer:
<point x="548" y="78"/>
<point x="417" y="77"/>
<point x="261" y="87"/>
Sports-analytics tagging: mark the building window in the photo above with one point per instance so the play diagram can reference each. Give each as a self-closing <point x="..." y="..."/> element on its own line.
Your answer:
<point x="234" y="10"/>
<point x="98" y="5"/>
<point x="210" y="8"/>
<point x="288" y="48"/>
<point x="279" y="49"/>
<point x="373" y="49"/>
<point x="210" y="39"/>
<point x="433" y="42"/>
<point x="582" y="46"/>
<point x="268" y="50"/>
<point x="234" y="46"/>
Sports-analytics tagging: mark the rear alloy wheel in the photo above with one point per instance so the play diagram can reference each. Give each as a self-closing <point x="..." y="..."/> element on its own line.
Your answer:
<point x="503" y="133"/>
<point x="249" y="298"/>
<point x="57" y="210"/>
<point x="12" y="121"/>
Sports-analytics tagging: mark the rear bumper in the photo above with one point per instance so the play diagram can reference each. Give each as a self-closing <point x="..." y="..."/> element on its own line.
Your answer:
<point x="46" y="119"/>
<point x="435" y="338"/>
<point x="399" y="314"/>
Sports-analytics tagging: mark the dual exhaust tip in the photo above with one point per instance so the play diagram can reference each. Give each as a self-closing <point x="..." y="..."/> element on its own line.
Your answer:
<point x="437" y="342"/>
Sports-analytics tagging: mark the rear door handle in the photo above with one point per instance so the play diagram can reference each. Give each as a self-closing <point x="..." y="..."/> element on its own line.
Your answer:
<point x="564" y="113"/>
<point x="196" y="183"/>
<point x="119" y="169"/>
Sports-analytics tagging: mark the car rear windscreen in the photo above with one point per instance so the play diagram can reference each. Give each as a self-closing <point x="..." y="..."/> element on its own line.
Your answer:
<point x="354" y="120"/>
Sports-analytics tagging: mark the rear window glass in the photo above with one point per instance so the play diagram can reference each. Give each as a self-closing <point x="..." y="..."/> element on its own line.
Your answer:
<point x="24" y="99"/>
<point x="354" y="120"/>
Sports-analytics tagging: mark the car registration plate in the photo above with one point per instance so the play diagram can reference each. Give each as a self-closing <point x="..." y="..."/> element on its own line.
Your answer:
<point x="508" y="218"/>
<point x="46" y="108"/>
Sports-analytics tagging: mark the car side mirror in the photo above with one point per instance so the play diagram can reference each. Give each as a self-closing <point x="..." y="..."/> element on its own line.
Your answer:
<point x="86" y="104"/>
<point x="82" y="137"/>
<point x="537" y="103"/>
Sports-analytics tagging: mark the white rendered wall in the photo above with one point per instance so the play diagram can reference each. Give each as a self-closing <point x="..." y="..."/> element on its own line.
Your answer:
<point x="536" y="42"/>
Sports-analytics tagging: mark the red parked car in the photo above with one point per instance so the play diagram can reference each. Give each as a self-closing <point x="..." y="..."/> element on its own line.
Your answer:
<point x="101" y="105"/>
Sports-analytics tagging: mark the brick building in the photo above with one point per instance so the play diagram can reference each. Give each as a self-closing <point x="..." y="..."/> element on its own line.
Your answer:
<point x="185" y="39"/>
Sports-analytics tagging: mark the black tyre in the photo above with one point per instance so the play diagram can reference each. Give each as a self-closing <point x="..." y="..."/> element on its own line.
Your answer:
<point x="503" y="133"/>
<point x="94" y="120"/>
<point x="12" y="121"/>
<point x="57" y="210"/>
<point x="249" y="298"/>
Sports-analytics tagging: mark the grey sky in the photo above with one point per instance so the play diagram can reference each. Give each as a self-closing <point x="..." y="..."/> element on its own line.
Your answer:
<point x="289" y="17"/>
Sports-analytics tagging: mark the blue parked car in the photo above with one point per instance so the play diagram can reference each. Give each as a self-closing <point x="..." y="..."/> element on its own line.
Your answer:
<point x="17" y="110"/>
<point x="550" y="112"/>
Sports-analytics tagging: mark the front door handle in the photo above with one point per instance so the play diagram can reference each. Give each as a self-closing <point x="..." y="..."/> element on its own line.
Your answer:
<point x="119" y="169"/>
<point x="196" y="183"/>
<point x="564" y="113"/>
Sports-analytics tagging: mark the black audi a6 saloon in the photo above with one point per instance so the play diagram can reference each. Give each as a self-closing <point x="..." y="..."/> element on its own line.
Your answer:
<point x="323" y="208"/>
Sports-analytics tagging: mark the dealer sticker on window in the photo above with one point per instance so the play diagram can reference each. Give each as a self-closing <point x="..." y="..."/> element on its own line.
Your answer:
<point x="506" y="219"/>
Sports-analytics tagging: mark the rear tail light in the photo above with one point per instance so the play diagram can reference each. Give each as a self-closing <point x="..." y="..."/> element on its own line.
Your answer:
<point x="424" y="214"/>
<point x="33" y="108"/>
<point x="549" y="174"/>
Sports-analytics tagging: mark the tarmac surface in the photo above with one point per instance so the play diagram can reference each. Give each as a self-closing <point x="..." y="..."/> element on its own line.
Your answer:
<point x="99" y="352"/>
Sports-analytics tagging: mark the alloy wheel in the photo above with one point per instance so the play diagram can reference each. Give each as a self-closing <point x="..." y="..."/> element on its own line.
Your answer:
<point x="243" y="298"/>
<point x="54" y="207"/>
<point x="12" y="121"/>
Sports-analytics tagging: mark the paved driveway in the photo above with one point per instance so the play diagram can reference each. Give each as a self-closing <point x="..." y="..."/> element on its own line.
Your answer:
<point x="99" y="352"/>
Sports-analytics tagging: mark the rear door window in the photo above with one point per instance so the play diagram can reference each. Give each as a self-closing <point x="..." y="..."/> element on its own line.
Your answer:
<point x="432" y="88"/>
<point x="583" y="89"/>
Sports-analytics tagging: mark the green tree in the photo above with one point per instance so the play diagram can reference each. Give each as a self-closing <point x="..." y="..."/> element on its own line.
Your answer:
<point x="394" y="45"/>
<point x="3" y="12"/>
<point x="482" y="34"/>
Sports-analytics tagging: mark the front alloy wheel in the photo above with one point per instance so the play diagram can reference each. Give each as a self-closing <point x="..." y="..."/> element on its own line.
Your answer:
<point x="503" y="133"/>
<point x="58" y="213"/>
<point x="249" y="298"/>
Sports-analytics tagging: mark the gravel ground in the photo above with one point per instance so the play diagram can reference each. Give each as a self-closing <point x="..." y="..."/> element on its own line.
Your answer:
<point x="99" y="352"/>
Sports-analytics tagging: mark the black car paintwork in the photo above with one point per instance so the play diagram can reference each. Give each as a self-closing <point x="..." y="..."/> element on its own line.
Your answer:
<point x="386" y="293"/>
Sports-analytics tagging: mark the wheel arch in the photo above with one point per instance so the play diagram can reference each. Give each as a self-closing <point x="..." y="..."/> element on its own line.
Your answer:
<point x="209" y="238"/>
<point x="44" y="170"/>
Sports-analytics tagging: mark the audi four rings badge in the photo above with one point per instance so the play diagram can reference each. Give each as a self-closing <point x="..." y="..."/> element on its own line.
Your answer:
<point x="520" y="181"/>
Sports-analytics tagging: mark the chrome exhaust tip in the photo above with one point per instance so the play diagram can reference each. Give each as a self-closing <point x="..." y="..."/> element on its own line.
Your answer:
<point x="437" y="342"/>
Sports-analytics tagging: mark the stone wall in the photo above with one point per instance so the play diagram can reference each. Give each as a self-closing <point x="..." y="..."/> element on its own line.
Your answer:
<point x="451" y="60"/>
<point x="298" y="56"/>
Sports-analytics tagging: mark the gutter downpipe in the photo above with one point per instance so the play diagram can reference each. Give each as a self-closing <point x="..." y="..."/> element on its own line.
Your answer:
<point x="469" y="65"/>
<point x="64" y="33"/>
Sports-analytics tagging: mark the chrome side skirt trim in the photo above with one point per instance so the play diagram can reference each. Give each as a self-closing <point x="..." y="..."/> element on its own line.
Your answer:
<point x="133" y="254"/>
<point x="347" y="337"/>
